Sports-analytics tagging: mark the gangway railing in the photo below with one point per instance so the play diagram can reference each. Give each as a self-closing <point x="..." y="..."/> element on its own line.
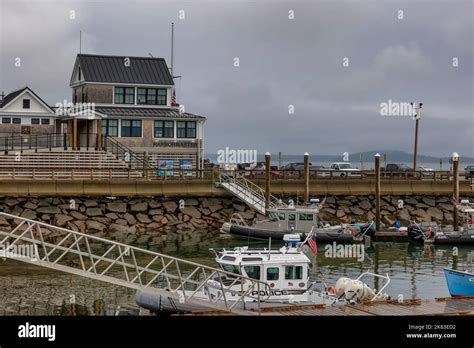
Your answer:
<point x="247" y="191"/>
<point x="77" y="253"/>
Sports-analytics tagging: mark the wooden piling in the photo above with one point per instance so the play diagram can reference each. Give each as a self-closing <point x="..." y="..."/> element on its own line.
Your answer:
<point x="377" y="192"/>
<point x="267" y="182"/>
<point x="306" y="178"/>
<point x="455" y="191"/>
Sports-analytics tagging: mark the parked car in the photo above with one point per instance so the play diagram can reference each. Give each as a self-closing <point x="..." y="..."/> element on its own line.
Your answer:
<point x="425" y="171"/>
<point x="343" y="169"/>
<point x="469" y="172"/>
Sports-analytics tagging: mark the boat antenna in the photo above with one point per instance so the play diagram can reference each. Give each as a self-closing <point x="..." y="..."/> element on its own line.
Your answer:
<point x="269" y="246"/>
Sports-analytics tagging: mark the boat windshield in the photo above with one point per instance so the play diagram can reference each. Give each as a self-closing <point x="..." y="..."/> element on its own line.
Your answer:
<point x="230" y="268"/>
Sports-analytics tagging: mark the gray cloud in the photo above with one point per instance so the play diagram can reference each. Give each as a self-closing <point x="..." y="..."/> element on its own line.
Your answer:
<point x="282" y="62"/>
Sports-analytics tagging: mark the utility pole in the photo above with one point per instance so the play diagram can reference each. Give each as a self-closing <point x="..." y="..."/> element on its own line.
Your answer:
<point x="377" y="192"/>
<point x="417" y="119"/>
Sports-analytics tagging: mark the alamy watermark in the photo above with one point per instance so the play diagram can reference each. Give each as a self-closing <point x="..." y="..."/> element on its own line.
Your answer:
<point x="66" y="108"/>
<point x="26" y="251"/>
<point x="393" y="108"/>
<point x="233" y="156"/>
<point x="336" y="250"/>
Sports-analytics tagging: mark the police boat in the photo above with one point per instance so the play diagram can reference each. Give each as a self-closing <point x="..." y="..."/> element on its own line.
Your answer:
<point x="285" y="271"/>
<point x="297" y="220"/>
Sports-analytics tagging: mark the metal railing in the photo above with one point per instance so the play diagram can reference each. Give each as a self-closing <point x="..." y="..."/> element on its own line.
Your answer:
<point x="325" y="174"/>
<point x="93" y="173"/>
<point x="120" y="264"/>
<point x="246" y="190"/>
<point x="124" y="153"/>
<point x="49" y="141"/>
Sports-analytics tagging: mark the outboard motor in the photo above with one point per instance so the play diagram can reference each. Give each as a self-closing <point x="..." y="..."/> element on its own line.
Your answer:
<point x="291" y="240"/>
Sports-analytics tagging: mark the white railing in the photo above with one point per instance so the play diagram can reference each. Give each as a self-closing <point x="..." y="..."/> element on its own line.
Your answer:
<point x="120" y="264"/>
<point x="246" y="190"/>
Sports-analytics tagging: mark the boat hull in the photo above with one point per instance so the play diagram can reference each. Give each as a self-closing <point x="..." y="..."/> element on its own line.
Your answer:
<point x="262" y="234"/>
<point x="459" y="283"/>
<point x="166" y="305"/>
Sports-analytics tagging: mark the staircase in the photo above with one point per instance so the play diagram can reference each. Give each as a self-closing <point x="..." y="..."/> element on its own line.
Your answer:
<point x="250" y="193"/>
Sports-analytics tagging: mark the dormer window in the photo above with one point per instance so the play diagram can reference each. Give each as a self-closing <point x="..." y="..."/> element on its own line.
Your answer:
<point x="79" y="73"/>
<point x="124" y="95"/>
<point x="152" y="96"/>
<point x="26" y="103"/>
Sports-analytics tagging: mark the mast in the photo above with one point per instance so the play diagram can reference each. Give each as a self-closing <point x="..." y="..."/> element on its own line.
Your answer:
<point x="172" y="48"/>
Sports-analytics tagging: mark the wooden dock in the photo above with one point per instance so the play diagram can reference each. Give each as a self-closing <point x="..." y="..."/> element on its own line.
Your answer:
<point x="390" y="236"/>
<point x="445" y="306"/>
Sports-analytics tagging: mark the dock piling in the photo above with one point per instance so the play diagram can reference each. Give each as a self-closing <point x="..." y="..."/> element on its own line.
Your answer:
<point x="267" y="182"/>
<point x="377" y="192"/>
<point x="306" y="177"/>
<point x="455" y="190"/>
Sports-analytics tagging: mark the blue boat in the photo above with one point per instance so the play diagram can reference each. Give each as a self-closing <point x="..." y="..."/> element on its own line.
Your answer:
<point x="459" y="283"/>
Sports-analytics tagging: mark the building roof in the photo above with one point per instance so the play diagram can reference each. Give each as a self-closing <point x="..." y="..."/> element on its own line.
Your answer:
<point x="113" y="111"/>
<point x="12" y="96"/>
<point x="142" y="70"/>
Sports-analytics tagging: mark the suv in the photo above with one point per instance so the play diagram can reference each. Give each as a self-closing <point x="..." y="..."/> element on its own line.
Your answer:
<point x="469" y="171"/>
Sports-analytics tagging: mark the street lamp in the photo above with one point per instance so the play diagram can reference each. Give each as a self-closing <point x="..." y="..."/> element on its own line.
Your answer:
<point x="417" y="117"/>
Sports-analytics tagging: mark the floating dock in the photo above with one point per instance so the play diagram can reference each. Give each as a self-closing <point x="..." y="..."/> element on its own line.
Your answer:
<point x="434" y="307"/>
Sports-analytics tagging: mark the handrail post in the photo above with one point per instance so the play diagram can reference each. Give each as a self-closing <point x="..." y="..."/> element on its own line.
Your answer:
<point x="6" y="145"/>
<point x="36" y="142"/>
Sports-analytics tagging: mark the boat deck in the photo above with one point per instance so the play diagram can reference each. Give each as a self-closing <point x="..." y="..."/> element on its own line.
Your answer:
<point x="435" y="307"/>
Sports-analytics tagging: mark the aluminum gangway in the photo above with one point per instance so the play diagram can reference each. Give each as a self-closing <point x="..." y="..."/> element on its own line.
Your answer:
<point x="250" y="193"/>
<point x="101" y="259"/>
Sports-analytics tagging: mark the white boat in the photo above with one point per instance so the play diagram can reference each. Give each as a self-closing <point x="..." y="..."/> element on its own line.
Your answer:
<point x="286" y="273"/>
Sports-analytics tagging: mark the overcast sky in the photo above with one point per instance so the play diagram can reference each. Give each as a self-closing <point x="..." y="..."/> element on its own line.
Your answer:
<point x="282" y="62"/>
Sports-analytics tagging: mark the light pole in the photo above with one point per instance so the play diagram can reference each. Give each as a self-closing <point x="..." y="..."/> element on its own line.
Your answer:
<point x="417" y="118"/>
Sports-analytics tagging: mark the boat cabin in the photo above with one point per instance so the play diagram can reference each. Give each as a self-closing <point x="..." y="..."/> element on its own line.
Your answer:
<point x="285" y="269"/>
<point x="297" y="218"/>
<point x="467" y="210"/>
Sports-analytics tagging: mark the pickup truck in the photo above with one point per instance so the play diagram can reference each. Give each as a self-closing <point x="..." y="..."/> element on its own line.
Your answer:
<point x="343" y="169"/>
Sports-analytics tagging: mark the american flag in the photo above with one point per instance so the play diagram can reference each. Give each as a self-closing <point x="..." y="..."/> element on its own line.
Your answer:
<point x="173" y="99"/>
<point x="312" y="244"/>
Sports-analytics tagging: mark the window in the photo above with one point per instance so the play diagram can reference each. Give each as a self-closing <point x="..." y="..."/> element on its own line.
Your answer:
<point x="131" y="128"/>
<point x="35" y="121"/>
<point x="152" y="96"/>
<point x="164" y="129"/>
<point x="161" y="100"/>
<point x="80" y="75"/>
<point x="272" y="273"/>
<point x="45" y="121"/>
<point x="252" y="271"/>
<point x="6" y="120"/>
<point x="186" y="129"/>
<point x="305" y="217"/>
<point x="141" y="96"/>
<point x="282" y="216"/>
<point x="293" y="272"/>
<point x="124" y="95"/>
<point x="291" y="217"/>
<point x="110" y="127"/>
<point x="26" y="103"/>
<point x="16" y="120"/>
<point x="230" y="268"/>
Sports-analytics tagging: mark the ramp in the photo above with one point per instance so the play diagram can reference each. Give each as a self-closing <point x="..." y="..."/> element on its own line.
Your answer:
<point x="250" y="193"/>
<point x="97" y="258"/>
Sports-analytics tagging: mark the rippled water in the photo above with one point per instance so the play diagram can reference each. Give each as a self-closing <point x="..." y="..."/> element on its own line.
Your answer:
<point x="415" y="271"/>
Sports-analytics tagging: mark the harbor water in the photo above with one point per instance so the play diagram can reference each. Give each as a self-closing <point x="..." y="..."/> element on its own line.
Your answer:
<point x="416" y="271"/>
